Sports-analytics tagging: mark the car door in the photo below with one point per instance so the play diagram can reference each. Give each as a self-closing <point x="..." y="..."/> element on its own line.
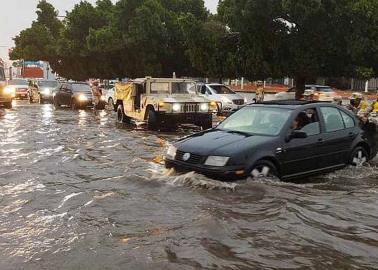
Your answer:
<point x="337" y="137"/>
<point x="301" y="156"/>
<point x="68" y="94"/>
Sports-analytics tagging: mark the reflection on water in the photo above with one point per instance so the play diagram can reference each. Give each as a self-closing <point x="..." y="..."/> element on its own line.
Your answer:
<point x="79" y="192"/>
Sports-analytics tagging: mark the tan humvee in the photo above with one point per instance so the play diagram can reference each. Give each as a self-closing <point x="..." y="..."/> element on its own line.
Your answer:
<point x="162" y="102"/>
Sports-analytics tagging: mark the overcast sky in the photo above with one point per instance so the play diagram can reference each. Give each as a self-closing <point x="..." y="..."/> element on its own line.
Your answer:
<point x="17" y="15"/>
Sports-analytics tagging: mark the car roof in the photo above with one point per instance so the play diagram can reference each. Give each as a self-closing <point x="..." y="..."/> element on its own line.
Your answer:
<point x="317" y="85"/>
<point x="290" y="104"/>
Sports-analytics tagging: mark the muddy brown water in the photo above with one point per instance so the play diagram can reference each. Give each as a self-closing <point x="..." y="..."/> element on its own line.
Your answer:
<point x="79" y="192"/>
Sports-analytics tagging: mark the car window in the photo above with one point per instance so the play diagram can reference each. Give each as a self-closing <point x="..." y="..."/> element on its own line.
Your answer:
<point x="18" y="82"/>
<point x="332" y="119"/>
<point x="203" y="89"/>
<point x="221" y="89"/>
<point x="257" y="120"/>
<point x="348" y="120"/>
<point x="308" y="122"/>
<point x="80" y="87"/>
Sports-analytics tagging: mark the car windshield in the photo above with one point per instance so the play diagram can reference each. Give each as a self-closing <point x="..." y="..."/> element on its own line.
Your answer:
<point x="221" y="89"/>
<point x="324" y="89"/>
<point x="81" y="87"/>
<point x="257" y="120"/>
<point x="50" y="84"/>
<point x="2" y="75"/>
<point x="18" y="82"/>
<point x="182" y="87"/>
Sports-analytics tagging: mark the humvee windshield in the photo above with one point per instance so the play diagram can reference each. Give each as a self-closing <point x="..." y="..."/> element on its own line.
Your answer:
<point x="177" y="87"/>
<point x="2" y="75"/>
<point x="181" y="87"/>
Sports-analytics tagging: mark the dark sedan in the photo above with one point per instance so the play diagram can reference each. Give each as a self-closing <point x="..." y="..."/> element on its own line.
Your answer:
<point x="75" y="95"/>
<point x="285" y="139"/>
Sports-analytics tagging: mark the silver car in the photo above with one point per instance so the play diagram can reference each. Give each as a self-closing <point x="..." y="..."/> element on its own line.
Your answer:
<point x="223" y="95"/>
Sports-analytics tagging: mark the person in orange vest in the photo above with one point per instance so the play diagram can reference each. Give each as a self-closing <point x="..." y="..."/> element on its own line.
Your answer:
<point x="260" y="92"/>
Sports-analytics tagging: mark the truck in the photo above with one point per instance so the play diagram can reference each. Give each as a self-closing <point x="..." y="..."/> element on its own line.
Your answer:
<point x="7" y="93"/>
<point x="162" y="103"/>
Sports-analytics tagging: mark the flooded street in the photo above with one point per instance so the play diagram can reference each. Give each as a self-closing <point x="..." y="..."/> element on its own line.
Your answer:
<point x="79" y="192"/>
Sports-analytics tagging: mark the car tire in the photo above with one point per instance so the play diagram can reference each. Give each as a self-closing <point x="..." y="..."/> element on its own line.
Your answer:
<point x="74" y="105"/>
<point x="56" y="104"/>
<point x="152" y="120"/>
<point x="111" y="106"/>
<point x="121" y="116"/>
<point x="207" y="123"/>
<point x="359" y="156"/>
<point x="263" y="169"/>
<point x="8" y="105"/>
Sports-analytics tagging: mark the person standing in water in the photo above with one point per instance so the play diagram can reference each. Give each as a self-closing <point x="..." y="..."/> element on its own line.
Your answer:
<point x="260" y="92"/>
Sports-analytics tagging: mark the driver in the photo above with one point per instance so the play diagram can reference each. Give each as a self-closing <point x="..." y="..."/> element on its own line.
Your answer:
<point x="300" y="121"/>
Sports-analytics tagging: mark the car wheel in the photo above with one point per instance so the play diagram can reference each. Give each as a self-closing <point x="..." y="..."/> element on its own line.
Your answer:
<point x="264" y="169"/>
<point x="56" y="104"/>
<point x="359" y="156"/>
<point x="110" y="104"/>
<point x="152" y="120"/>
<point x="8" y="105"/>
<point x="74" y="105"/>
<point x="121" y="116"/>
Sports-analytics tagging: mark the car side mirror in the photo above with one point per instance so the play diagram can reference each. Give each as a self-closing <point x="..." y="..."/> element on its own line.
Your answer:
<point x="297" y="134"/>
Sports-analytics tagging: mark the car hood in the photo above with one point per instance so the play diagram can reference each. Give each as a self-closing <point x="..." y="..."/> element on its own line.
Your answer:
<point x="232" y="96"/>
<point x="219" y="142"/>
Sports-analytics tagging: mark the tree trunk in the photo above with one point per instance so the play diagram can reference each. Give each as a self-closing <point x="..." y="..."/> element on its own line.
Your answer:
<point x="300" y="85"/>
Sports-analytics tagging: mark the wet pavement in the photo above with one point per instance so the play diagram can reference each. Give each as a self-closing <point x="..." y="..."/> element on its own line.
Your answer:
<point x="79" y="192"/>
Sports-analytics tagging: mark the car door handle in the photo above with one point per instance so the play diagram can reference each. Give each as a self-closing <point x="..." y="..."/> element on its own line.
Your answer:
<point x="320" y="141"/>
<point x="351" y="134"/>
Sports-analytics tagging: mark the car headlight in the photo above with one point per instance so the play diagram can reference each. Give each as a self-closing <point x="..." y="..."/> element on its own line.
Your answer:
<point x="226" y="100"/>
<point x="171" y="152"/>
<point x="103" y="98"/>
<point x="216" y="161"/>
<point x="176" y="107"/>
<point x="46" y="91"/>
<point x="245" y="100"/>
<point x="204" y="107"/>
<point x="10" y="90"/>
<point x="82" y="98"/>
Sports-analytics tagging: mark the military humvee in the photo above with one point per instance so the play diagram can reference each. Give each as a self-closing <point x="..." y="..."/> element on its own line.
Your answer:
<point x="162" y="102"/>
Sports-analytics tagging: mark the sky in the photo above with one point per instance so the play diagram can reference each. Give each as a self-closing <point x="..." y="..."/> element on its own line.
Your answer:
<point x="18" y="15"/>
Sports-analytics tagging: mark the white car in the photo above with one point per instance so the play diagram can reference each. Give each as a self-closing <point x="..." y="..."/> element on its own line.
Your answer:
<point x="287" y="95"/>
<point x="319" y="92"/>
<point x="221" y="94"/>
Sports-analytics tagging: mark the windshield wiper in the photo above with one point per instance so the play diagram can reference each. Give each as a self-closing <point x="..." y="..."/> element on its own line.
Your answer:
<point x="239" y="132"/>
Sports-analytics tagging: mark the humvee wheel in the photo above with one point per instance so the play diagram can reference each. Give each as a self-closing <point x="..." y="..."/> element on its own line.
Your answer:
<point x="121" y="116"/>
<point x="207" y="123"/>
<point x="152" y="120"/>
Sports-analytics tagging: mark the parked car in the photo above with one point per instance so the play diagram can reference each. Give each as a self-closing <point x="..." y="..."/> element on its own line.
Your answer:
<point x="286" y="139"/>
<point x="21" y="87"/>
<point x="317" y="92"/>
<point x="229" y="100"/>
<point x="7" y="93"/>
<point x="321" y="92"/>
<point x="287" y="95"/>
<point x="162" y="102"/>
<point x="77" y="95"/>
<point x="42" y="91"/>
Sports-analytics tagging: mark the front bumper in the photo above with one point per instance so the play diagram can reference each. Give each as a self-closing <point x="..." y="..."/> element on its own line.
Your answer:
<point x="5" y="99"/>
<point x="226" y="173"/>
<point x="185" y="118"/>
<point x="22" y="95"/>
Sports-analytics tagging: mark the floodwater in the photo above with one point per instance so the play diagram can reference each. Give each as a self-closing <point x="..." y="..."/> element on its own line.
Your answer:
<point x="79" y="192"/>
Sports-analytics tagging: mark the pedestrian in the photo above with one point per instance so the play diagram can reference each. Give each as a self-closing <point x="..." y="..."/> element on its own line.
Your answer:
<point x="375" y="106"/>
<point x="260" y="92"/>
<point x="97" y="93"/>
<point x="363" y="107"/>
